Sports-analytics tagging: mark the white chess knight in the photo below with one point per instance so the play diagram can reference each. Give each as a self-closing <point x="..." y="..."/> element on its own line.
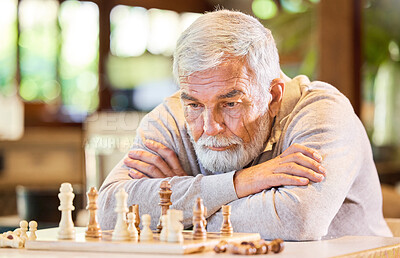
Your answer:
<point x="146" y="234"/>
<point x="66" y="228"/>
<point x="175" y="227"/>
<point x="121" y="232"/>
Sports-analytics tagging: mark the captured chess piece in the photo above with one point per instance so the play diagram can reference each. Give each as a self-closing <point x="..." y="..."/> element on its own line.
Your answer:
<point x="93" y="227"/>
<point x="146" y="234"/>
<point x="175" y="227"/>
<point x="23" y="224"/>
<point x="226" y="228"/>
<point x="133" y="233"/>
<point x="199" y="227"/>
<point x="277" y="245"/>
<point x="66" y="228"/>
<point x="121" y="232"/>
<point x="32" y="230"/>
<point x="165" y="200"/>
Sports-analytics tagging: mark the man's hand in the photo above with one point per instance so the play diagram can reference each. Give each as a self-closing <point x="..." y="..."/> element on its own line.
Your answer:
<point x="146" y="164"/>
<point x="297" y="165"/>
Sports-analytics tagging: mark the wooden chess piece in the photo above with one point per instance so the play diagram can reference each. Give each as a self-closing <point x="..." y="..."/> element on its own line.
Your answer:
<point x="221" y="247"/>
<point x="121" y="232"/>
<point x="131" y="226"/>
<point x="32" y="230"/>
<point x="135" y="209"/>
<point x="277" y="245"/>
<point x="93" y="227"/>
<point x="199" y="228"/>
<point x="226" y="228"/>
<point x="146" y="234"/>
<point x="165" y="200"/>
<point x="66" y="228"/>
<point x="244" y="248"/>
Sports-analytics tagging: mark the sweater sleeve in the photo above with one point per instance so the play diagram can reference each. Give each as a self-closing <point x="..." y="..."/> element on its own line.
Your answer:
<point x="164" y="127"/>
<point x="327" y="123"/>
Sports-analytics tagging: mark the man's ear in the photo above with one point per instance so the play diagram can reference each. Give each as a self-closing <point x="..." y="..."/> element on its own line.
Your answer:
<point x="276" y="89"/>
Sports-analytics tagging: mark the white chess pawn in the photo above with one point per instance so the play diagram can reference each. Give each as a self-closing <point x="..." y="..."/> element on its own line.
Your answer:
<point x="23" y="224"/>
<point x="121" y="232"/>
<point x="66" y="228"/>
<point x="32" y="230"/>
<point x="134" y="234"/>
<point x="175" y="227"/>
<point x="164" y="230"/>
<point x="146" y="234"/>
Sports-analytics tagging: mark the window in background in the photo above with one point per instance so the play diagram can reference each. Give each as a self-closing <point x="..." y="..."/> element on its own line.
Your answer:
<point x="8" y="47"/>
<point x="38" y="44"/>
<point x="294" y="26"/>
<point x="139" y="66"/>
<point x="78" y="66"/>
<point x="381" y="76"/>
<point x="58" y="46"/>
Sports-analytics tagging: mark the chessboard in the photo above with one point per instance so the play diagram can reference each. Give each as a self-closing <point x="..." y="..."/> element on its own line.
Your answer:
<point x="47" y="240"/>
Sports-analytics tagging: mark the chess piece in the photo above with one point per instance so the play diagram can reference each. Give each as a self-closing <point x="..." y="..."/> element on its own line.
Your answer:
<point x="226" y="228"/>
<point x="277" y="245"/>
<point x="146" y="234"/>
<point x="199" y="228"/>
<point x="221" y="247"/>
<point x="165" y="200"/>
<point x="121" y="232"/>
<point x="66" y="228"/>
<point x="93" y="227"/>
<point x="134" y="235"/>
<point x="32" y="230"/>
<point x="245" y="248"/>
<point x="175" y="227"/>
<point x="164" y="230"/>
<point x="23" y="224"/>
<point x="135" y="209"/>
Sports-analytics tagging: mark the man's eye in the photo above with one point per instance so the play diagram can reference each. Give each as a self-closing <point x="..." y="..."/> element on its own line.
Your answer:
<point x="194" y="105"/>
<point x="230" y="104"/>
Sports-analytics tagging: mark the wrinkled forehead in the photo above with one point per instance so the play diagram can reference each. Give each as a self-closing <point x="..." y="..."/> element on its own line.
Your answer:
<point x="230" y="70"/>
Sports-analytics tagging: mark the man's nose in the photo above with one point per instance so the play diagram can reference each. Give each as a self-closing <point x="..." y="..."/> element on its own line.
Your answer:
<point x="213" y="123"/>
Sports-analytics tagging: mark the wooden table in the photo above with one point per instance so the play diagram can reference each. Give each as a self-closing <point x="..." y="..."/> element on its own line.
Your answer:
<point x="349" y="246"/>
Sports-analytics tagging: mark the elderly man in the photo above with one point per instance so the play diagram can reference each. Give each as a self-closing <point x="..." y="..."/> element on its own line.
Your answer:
<point x="289" y="155"/>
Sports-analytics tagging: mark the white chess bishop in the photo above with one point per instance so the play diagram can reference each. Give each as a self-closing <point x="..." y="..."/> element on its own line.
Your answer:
<point x="66" y="228"/>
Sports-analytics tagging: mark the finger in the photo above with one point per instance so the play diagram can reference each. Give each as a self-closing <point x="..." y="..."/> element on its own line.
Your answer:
<point x="135" y="174"/>
<point x="304" y="161"/>
<point x="152" y="159"/>
<point x="303" y="149"/>
<point x="148" y="169"/>
<point x="284" y="179"/>
<point x="168" y="155"/>
<point x="292" y="168"/>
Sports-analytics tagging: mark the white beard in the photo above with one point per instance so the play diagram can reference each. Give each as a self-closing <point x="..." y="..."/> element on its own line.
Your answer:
<point x="237" y="156"/>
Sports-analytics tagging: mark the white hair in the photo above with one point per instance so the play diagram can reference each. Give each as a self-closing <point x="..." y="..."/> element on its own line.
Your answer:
<point x="218" y="36"/>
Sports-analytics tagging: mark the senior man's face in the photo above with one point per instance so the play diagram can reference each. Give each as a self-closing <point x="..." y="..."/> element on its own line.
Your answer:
<point x="226" y="116"/>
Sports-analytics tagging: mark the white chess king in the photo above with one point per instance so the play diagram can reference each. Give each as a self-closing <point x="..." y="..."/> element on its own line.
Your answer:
<point x="66" y="228"/>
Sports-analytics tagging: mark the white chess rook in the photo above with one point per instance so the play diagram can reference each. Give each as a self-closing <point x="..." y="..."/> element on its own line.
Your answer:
<point x="175" y="227"/>
<point x="66" y="227"/>
<point x="121" y="232"/>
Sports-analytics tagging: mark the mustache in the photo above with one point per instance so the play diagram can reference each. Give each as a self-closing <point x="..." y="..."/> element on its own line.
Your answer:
<point x="219" y="141"/>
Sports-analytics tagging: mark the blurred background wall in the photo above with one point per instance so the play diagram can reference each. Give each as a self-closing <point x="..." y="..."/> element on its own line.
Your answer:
<point x="76" y="77"/>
